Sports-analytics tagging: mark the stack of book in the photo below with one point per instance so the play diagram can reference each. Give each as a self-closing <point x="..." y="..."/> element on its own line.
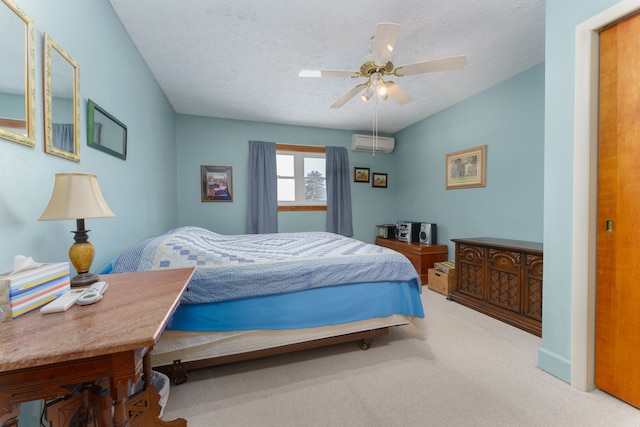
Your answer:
<point x="28" y="290"/>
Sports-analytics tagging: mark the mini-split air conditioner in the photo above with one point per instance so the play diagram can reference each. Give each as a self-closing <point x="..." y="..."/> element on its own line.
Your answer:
<point x="366" y="143"/>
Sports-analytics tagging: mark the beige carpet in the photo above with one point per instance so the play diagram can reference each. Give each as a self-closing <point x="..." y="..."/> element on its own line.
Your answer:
<point x="459" y="368"/>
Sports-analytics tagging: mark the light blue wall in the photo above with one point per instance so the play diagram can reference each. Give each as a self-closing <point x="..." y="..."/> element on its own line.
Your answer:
<point x="141" y="190"/>
<point x="222" y="142"/>
<point x="562" y="18"/>
<point x="509" y="120"/>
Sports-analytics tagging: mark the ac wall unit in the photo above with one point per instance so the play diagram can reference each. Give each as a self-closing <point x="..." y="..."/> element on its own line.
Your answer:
<point x="366" y="143"/>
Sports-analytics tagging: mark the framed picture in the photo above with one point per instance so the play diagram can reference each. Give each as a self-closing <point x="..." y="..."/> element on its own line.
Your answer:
<point x="216" y="184"/>
<point x="467" y="168"/>
<point x="379" y="180"/>
<point x="360" y="174"/>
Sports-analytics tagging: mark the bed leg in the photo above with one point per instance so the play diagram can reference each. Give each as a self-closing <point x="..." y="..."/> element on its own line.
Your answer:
<point x="366" y="343"/>
<point x="179" y="373"/>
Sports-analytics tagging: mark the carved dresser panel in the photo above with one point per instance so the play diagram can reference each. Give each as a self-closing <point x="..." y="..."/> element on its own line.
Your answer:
<point x="501" y="278"/>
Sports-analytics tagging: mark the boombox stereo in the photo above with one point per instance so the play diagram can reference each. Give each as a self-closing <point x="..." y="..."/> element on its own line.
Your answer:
<point x="386" y="231"/>
<point x="407" y="231"/>
<point x="428" y="233"/>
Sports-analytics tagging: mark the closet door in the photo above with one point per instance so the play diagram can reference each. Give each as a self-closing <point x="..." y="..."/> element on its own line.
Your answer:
<point x="618" y="261"/>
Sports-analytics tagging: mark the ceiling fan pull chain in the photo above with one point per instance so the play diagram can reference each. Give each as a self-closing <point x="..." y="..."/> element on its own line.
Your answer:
<point x="375" y="126"/>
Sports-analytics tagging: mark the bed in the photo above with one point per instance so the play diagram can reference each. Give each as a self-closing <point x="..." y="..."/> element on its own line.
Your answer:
<point x="264" y="294"/>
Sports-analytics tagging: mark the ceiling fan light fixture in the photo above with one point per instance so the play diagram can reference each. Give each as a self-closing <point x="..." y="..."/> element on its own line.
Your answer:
<point x="378" y="64"/>
<point x="382" y="91"/>
<point x="371" y="91"/>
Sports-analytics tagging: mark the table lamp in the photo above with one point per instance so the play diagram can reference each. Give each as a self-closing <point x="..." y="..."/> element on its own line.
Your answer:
<point x="78" y="196"/>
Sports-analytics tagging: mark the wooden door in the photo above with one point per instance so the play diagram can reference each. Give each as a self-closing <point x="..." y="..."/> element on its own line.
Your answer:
<point x="617" y="343"/>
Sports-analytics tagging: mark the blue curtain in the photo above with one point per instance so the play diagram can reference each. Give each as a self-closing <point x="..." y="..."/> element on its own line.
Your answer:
<point x="63" y="137"/>
<point x="263" y="188"/>
<point x="339" y="219"/>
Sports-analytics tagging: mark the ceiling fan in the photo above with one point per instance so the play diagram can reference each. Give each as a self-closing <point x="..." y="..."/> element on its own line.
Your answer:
<point x="378" y="65"/>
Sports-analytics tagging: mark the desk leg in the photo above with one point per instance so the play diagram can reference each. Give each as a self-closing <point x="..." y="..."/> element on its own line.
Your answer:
<point x="144" y="408"/>
<point x="120" y="405"/>
<point x="102" y="403"/>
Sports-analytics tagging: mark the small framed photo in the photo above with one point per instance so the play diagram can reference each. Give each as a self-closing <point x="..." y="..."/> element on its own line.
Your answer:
<point x="379" y="180"/>
<point x="467" y="168"/>
<point x="360" y="174"/>
<point x="216" y="183"/>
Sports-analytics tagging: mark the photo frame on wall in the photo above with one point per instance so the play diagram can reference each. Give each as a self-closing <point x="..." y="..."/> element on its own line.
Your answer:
<point x="379" y="180"/>
<point x="216" y="183"/>
<point x="466" y="168"/>
<point x="360" y="174"/>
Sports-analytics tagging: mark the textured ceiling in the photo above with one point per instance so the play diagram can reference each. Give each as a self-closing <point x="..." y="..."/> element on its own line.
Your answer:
<point x="240" y="59"/>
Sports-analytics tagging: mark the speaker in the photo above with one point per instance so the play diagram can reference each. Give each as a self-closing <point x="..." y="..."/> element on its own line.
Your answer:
<point x="428" y="233"/>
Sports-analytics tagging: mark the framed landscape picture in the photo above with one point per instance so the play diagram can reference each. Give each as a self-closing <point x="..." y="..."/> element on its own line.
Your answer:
<point x="216" y="183"/>
<point x="467" y="168"/>
<point x="379" y="180"/>
<point x="360" y="174"/>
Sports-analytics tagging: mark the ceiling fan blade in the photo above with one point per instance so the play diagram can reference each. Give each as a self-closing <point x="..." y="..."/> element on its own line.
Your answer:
<point x="383" y="42"/>
<point x="347" y="96"/>
<point x="445" y="64"/>
<point x="327" y="73"/>
<point x="397" y="93"/>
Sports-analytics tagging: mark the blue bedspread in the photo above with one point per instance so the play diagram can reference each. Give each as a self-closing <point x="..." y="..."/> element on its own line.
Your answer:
<point x="245" y="266"/>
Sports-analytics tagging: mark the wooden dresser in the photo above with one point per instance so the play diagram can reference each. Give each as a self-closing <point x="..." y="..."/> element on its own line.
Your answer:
<point x="421" y="255"/>
<point x="502" y="279"/>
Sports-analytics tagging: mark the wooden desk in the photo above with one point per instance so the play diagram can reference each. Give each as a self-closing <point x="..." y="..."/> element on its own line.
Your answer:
<point x="421" y="255"/>
<point x="111" y="339"/>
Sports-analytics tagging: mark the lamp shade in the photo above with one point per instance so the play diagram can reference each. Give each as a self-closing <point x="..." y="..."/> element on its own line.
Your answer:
<point x="76" y="196"/>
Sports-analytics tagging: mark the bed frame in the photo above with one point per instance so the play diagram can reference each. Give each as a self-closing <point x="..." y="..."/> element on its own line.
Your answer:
<point x="178" y="372"/>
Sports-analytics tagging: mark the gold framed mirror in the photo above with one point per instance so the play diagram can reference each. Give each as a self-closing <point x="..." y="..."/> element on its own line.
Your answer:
<point x="61" y="102"/>
<point x="17" y="76"/>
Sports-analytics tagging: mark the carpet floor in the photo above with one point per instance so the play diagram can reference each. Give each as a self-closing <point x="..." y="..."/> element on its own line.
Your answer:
<point x="457" y="367"/>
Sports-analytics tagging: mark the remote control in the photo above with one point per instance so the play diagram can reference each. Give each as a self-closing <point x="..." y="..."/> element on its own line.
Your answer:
<point x="63" y="302"/>
<point x="92" y="294"/>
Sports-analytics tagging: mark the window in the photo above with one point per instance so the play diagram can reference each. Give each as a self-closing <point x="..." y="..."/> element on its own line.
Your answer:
<point x="301" y="177"/>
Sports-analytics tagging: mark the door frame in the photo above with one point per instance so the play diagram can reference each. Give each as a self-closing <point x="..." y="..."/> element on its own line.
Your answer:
<point x="585" y="177"/>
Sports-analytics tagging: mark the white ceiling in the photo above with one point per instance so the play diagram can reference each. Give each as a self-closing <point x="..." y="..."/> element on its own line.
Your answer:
<point x="240" y="59"/>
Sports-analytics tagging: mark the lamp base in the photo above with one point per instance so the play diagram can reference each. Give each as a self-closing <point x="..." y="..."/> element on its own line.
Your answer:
<point x="81" y="255"/>
<point x="84" y="279"/>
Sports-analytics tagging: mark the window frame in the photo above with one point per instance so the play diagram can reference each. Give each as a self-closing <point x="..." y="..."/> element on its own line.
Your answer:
<point x="293" y="206"/>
